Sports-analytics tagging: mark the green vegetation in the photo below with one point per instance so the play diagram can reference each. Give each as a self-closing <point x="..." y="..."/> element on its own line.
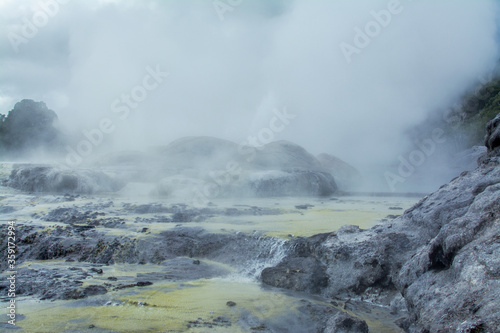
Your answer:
<point x="29" y="126"/>
<point x="478" y="110"/>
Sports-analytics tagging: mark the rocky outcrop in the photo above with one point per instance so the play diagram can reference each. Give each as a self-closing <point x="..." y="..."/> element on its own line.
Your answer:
<point x="441" y="256"/>
<point x="453" y="280"/>
<point x="42" y="178"/>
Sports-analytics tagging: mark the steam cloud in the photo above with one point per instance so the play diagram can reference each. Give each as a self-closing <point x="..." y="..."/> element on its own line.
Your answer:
<point x="226" y="77"/>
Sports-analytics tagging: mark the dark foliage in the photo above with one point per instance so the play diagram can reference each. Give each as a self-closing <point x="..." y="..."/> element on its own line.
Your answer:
<point x="29" y="126"/>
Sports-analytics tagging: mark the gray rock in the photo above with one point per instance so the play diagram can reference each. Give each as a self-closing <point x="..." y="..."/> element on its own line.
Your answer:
<point x="69" y="215"/>
<point x="455" y="277"/>
<point x="344" y="323"/>
<point x="194" y="242"/>
<point x="301" y="270"/>
<point x="49" y="283"/>
<point x="50" y="179"/>
<point x="300" y="274"/>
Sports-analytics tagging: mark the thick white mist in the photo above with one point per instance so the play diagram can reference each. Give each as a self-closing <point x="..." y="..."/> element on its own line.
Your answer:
<point x="225" y="77"/>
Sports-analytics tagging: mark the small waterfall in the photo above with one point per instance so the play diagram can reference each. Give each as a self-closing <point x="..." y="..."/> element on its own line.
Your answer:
<point x="264" y="252"/>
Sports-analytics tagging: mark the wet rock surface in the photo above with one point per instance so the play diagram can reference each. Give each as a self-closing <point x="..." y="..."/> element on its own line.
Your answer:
<point x="300" y="270"/>
<point x="344" y="323"/>
<point x="300" y="274"/>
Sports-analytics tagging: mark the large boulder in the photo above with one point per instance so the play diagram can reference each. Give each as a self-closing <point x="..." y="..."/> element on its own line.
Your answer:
<point x="302" y="269"/>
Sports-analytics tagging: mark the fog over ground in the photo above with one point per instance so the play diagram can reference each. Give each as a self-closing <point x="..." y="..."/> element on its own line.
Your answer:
<point x="232" y="64"/>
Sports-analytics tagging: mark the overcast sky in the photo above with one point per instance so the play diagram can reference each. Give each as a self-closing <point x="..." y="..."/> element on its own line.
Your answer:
<point x="231" y="63"/>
